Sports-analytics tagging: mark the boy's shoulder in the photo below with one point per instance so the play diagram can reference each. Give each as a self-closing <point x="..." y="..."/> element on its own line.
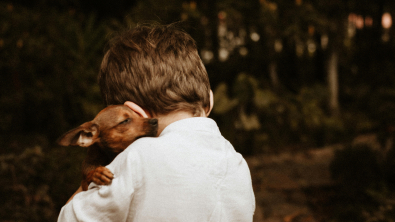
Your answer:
<point x="193" y="125"/>
<point x="185" y="132"/>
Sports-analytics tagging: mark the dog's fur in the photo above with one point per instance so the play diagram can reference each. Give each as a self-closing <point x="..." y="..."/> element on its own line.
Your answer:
<point x="107" y="135"/>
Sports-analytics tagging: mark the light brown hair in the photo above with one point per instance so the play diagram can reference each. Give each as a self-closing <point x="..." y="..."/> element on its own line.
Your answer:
<point x="158" y="68"/>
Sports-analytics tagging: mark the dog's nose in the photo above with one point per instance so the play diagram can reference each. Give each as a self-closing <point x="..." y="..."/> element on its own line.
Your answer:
<point x="153" y="122"/>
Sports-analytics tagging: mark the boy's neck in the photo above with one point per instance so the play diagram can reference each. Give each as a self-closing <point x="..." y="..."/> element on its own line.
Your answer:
<point x="165" y="120"/>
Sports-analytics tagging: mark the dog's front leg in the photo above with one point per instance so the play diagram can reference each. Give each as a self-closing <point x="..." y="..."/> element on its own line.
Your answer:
<point x="101" y="176"/>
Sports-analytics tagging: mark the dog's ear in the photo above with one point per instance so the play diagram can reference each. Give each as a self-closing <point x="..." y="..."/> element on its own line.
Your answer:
<point x="84" y="136"/>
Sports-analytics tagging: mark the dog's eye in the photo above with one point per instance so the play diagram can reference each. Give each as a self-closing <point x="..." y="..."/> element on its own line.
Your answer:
<point x="126" y="121"/>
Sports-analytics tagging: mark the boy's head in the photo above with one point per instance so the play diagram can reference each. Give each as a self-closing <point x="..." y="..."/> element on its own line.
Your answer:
<point x="156" y="67"/>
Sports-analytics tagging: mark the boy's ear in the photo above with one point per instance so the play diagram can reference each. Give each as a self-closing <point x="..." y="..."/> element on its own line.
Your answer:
<point x="211" y="103"/>
<point x="136" y="108"/>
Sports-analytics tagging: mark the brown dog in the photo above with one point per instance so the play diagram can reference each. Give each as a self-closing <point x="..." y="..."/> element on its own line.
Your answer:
<point x="107" y="135"/>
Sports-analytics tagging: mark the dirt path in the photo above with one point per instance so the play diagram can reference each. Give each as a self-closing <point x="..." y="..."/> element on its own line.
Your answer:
<point x="280" y="181"/>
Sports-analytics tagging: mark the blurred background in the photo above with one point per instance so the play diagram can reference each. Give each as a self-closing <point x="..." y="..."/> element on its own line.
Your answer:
<point x="304" y="89"/>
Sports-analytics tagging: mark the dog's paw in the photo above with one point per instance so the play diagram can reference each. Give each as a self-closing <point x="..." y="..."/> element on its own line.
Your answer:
<point x="101" y="176"/>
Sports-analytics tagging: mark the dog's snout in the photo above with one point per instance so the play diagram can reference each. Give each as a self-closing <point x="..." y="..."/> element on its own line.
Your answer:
<point x="153" y="122"/>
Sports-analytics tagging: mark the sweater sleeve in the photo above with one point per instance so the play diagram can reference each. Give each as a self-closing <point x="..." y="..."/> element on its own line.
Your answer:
<point x="111" y="202"/>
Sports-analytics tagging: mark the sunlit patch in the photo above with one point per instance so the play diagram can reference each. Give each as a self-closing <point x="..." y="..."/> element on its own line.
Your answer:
<point x="386" y="20"/>
<point x="223" y="54"/>
<point x="278" y="45"/>
<point x="324" y="41"/>
<point x="243" y="51"/>
<point x="368" y="21"/>
<point x="255" y="36"/>
<point x="311" y="47"/>
<point x="207" y="55"/>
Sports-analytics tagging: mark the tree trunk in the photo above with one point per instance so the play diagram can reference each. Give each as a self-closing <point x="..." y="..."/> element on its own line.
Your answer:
<point x="333" y="83"/>
<point x="273" y="74"/>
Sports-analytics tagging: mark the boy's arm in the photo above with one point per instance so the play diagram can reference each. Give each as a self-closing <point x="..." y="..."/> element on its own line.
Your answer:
<point x="108" y="202"/>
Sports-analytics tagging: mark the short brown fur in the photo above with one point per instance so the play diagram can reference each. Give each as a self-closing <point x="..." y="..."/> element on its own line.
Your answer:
<point x="107" y="135"/>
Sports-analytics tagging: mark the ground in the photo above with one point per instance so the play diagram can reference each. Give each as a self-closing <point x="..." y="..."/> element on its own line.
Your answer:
<point x="288" y="184"/>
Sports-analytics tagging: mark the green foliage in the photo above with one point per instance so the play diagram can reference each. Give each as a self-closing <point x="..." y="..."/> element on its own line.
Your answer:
<point x="275" y="119"/>
<point x="49" y="63"/>
<point x="159" y="10"/>
<point x="37" y="181"/>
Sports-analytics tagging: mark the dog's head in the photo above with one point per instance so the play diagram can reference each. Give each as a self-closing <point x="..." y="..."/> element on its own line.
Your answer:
<point x="115" y="127"/>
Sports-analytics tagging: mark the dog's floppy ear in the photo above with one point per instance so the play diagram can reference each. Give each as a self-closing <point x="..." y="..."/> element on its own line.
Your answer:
<point x="84" y="135"/>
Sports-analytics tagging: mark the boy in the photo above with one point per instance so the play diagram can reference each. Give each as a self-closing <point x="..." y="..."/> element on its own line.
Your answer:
<point x="189" y="172"/>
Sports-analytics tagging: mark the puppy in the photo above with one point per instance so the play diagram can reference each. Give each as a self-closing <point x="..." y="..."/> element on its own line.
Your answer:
<point x="107" y="135"/>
